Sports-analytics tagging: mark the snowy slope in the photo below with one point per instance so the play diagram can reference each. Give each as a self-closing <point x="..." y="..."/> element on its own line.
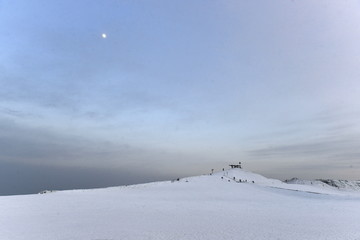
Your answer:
<point x="343" y="185"/>
<point x="203" y="207"/>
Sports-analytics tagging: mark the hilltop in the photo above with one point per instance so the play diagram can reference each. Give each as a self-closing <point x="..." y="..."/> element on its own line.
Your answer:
<point x="216" y="206"/>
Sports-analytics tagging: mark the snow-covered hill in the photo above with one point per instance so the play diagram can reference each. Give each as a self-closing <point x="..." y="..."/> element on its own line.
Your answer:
<point x="343" y="185"/>
<point x="216" y="206"/>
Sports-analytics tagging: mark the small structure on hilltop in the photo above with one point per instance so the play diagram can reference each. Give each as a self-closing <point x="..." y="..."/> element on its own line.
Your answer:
<point x="235" y="165"/>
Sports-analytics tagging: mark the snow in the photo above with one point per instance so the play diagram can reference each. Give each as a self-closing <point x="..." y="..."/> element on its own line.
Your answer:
<point x="343" y="185"/>
<point x="203" y="207"/>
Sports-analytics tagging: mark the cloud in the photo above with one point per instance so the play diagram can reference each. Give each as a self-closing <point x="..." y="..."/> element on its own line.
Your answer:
<point x="332" y="149"/>
<point x="42" y="146"/>
<point x="17" y="113"/>
<point x="324" y="145"/>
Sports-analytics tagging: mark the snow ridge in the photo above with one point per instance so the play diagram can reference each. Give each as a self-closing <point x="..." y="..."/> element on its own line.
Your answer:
<point x="344" y="185"/>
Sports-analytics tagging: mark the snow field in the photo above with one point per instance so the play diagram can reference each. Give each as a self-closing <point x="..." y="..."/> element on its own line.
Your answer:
<point x="204" y="207"/>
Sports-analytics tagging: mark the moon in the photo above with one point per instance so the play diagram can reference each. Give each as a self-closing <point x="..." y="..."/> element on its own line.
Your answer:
<point x="104" y="35"/>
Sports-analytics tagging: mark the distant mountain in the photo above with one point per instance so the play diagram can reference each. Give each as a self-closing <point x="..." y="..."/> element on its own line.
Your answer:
<point x="345" y="185"/>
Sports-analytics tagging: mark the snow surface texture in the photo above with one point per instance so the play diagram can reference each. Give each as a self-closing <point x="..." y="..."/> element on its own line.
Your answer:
<point x="210" y="207"/>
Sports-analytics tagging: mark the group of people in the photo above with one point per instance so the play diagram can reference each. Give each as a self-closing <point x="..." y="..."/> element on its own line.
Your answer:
<point x="239" y="181"/>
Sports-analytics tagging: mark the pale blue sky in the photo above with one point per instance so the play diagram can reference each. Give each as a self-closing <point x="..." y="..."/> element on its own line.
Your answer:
<point x="178" y="88"/>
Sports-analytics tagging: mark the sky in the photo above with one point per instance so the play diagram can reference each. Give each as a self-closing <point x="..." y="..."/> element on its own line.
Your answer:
<point x="176" y="88"/>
